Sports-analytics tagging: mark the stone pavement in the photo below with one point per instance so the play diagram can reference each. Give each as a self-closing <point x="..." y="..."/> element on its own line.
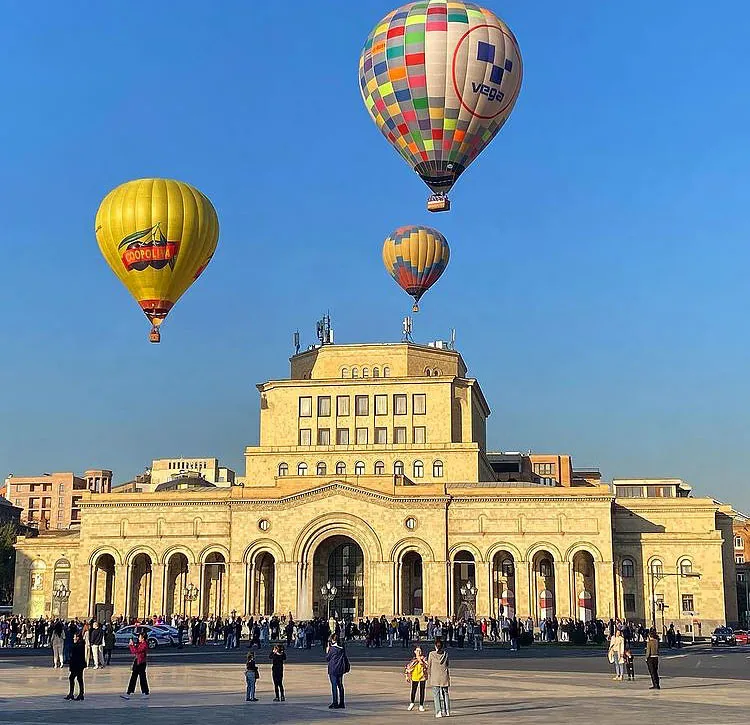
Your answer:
<point x="214" y="694"/>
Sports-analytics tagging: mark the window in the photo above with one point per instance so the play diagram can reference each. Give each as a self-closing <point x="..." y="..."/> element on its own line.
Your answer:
<point x="344" y="372"/>
<point x="386" y="372"/>
<point x="320" y="469"/>
<point x="419" y="403"/>
<point x="629" y="602"/>
<point x="545" y="469"/>
<point x="410" y="523"/>
<point x="361" y="405"/>
<point x="60" y="500"/>
<point x="341" y="468"/>
<point x="399" y="404"/>
<point x="381" y="436"/>
<point x="283" y="469"/>
<point x="660" y="491"/>
<point x="305" y="437"/>
<point x="629" y="491"/>
<point x="361" y="436"/>
<point x="342" y="436"/>
<point x="324" y="406"/>
<point x="355" y="373"/>
<point x="379" y="468"/>
<point x="381" y="405"/>
<point x="342" y="405"/>
<point x="365" y="372"/>
<point x="398" y="468"/>
<point x="437" y="469"/>
<point x="435" y="373"/>
<point x="428" y="372"/>
<point x="61" y="488"/>
<point x="399" y="435"/>
<point x="686" y="567"/>
<point x="418" y="469"/>
<point x="305" y="407"/>
<point x="628" y="568"/>
<point x="545" y="567"/>
<point x="324" y="436"/>
<point x="739" y="558"/>
<point x="359" y="468"/>
<point x="264" y="524"/>
<point x="420" y="434"/>
<point x="657" y="568"/>
<point x="302" y="469"/>
<point x="738" y="542"/>
<point x="507" y="567"/>
<point x="741" y="576"/>
<point x="376" y="372"/>
<point x="688" y="605"/>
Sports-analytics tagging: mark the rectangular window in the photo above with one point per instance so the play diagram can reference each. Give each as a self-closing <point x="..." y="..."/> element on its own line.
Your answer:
<point x="342" y="436"/>
<point x="660" y="491"/>
<point x="738" y="543"/>
<point x="60" y="501"/>
<point x="46" y="502"/>
<point x="324" y="406"/>
<point x="305" y="407"/>
<point x="399" y="435"/>
<point x="687" y="603"/>
<point x="342" y="405"/>
<point x="61" y="488"/>
<point x="629" y="491"/>
<point x="361" y="405"/>
<point x="305" y="437"/>
<point x="59" y="514"/>
<point x="739" y="558"/>
<point x="362" y="436"/>
<point x="399" y="404"/>
<point x="741" y="576"/>
<point x="420" y="434"/>
<point x="419" y="403"/>
<point x="545" y="469"/>
<point x="629" y="602"/>
<point x="324" y="436"/>
<point x="381" y="436"/>
<point x="381" y="405"/>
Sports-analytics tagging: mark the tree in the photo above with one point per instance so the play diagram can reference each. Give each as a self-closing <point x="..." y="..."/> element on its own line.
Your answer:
<point x="8" y="533"/>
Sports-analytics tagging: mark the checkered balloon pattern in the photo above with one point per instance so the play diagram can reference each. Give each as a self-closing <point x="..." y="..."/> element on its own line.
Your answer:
<point x="416" y="256"/>
<point x="440" y="78"/>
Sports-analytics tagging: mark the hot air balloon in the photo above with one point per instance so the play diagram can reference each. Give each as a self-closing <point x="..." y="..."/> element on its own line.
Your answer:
<point x="157" y="235"/>
<point x="440" y="79"/>
<point x="415" y="257"/>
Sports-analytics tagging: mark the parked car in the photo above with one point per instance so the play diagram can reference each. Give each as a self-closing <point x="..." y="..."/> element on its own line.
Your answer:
<point x="723" y="635"/>
<point x="740" y="636"/>
<point x="154" y="636"/>
<point x="173" y="632"/>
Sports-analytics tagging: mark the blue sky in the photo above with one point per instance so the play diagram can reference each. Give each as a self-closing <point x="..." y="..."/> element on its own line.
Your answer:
<point x="599" y="245"/>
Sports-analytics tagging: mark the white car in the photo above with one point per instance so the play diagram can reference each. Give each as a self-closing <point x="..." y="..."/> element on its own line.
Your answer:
<point x="154" y="636"/>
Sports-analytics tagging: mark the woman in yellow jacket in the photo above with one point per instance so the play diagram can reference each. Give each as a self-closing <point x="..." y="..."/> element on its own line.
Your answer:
<point x="416" y="673"/>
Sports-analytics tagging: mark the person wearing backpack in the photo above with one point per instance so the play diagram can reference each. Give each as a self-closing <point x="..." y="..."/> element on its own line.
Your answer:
<point x="338" y="666"/>
<point x="416" y="674"/>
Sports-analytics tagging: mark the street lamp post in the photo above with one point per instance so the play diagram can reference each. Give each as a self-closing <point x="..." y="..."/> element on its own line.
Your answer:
<point x="328" y="592"/>
<point x="468" y="596"/>
<point x="190" y="592"/>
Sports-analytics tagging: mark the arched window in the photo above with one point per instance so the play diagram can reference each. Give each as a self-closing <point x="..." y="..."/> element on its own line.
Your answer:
<point x="302" y="469"/>
<point x="344" y="372"/>
<point x="379" y="468"/>
<point x="418" y="469"/>
<point x="427" y="372"/>
<point x="437" y="469"/>
<point x="355" y="373"/>
<point x="386" y="372"/>
<point x="435" y="373"/>
<point x="283" y="469"/>
<point x="686" y="567"/>
<point x="365" y="372"/>
<point x="320" y="469"/>
<point x="398" y="468"/>
<point x="507" y="567"/>
<point x="359" y="468"/>
<point x="376" y="372"/>
<point x="545" y="567"/>
<point x="341" y="468"/>
<point x="628" y="568"/>
<point x="657" y="568"/>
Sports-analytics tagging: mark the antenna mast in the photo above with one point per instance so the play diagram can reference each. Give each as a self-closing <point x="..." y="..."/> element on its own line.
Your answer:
<point x="295" y="339"/>
<point x="323" y="330"/>
<point x="407" y="328"/>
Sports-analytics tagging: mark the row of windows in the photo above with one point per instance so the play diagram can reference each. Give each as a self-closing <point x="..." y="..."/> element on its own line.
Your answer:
<point x="545" y="469"/>
<point x="362" y="405"/>
<point x="687" y="601"/>
<point x="362" y="436"/>
<point x="656" y="567"/>
<point x="321" y="469"/>
<point x="354" y="373"/>
<point x="179" y="465"/>
<point x="645" y="491"/>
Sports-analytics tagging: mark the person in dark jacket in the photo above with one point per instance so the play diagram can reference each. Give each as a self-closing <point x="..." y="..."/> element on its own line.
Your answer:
<point x="278" y="657"/>
<point x="338" y="666"/>
<point x="109" y="643"/>
<point x="652" y="658"/>
<point x="77" y="666"/>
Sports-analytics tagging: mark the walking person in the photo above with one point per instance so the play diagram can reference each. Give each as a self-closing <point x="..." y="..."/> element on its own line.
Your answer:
<point x="109" y="643"/>
<point x="416" y="674"/>
<point x="96" y="639"/>
<point x="77" y="666"/>
<point x="439" y="678"/>
<point x="140" y="654"/>
<point x="629" y="663"/>
<point x="58" y="642"/>
<point x="616" y="653"/>
<point x="338" y="666"/>
<point x="278" y="657"/>
<point x="252" y="675"/>
<point x="652" y="658"/>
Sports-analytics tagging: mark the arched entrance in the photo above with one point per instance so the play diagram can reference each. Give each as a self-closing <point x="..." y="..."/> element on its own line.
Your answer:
<point x="340" y="560"/>
<point x="584" y="585"/>
<point x="214" y="569"/>
<point x="504" y="584"/>
<point x="464" y="574"/>
<point x="178" y="572"/>
<point x="140" y="586"/>
<point x="263" y="599"/>
<point x="412" y="584"/>
<point x="103" y="587"/>
<point x="543" y="567"/>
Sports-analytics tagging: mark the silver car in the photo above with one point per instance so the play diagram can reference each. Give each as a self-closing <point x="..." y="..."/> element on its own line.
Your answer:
<point x="154" y="636"/>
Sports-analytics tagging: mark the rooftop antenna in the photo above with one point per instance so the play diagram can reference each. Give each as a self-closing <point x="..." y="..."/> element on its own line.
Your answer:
<point x="324" y="331"/>
<point x="453" y="338"/>
<point x="407" y="327"/>
<point x="295" y="338"/>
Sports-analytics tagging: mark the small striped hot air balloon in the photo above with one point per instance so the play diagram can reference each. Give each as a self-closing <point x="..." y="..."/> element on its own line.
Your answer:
<point x="416" y="256"/>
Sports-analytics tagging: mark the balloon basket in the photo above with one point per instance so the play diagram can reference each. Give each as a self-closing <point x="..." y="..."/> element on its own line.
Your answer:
<point x="154" y="335"/>
<point x="415" y="307"/>
<point x="438" y="202"/>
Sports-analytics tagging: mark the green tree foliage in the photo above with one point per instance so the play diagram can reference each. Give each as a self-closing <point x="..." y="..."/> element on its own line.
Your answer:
<point x="8" y="533"/>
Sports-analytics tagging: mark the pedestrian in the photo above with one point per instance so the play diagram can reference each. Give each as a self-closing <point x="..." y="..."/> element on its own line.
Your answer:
<point x="58" y="641"/>
<point x="416" y="674"/>
<point x="77" y="666"/>
<point x="652" y="658"/>
<point x="140" y="654"/>
<point x="252" y="675"/>
<point x="629" y="663"/>
<point x="338" y="666"/>
<point x="440" y="679"/>
<point x="96" y="639"/>
<point x="109" y="644"/>
<point x="616" y="653"/>
<point x="278" y="657"/>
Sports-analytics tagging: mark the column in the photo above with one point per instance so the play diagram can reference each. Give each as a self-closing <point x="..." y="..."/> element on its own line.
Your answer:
<point x="122" y="587"/>
<point x="285" y="595"/>
<point x="434" y="588"/>
<point x="563" y="573"/>
<point x="91" y="608"/>
<point x="304" y="594"/>
<point x="157" y="589"/>
<point x="523" y="590"/>
<point x="398" y="595"/>
<point x="482" y="574"/>
<point x="605" y="590"/>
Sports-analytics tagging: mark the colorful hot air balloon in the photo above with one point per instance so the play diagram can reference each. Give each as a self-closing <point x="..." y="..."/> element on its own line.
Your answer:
<point x="157" y="235"/>
<point x="415" y="257"/>
<point x="440" y="78"/>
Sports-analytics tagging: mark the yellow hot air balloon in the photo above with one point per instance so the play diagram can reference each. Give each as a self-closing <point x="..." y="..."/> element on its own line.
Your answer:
<point x="157" y="235"/>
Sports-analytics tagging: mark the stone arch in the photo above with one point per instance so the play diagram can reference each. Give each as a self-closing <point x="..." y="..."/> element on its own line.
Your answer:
<point x="114" y="553"/>
<point x="261" y="545"/>
<point x="179" y="549"/>
<point x="503" y="546"/>
<point x="584" y="546"/>
<point x="142" y="549"/>
<point x="420" y="546"/>
<point x="465" y="546"/>
<point x="538" y="546"/>
<point x="214" y="549"/>
<point x="334" y="524"/>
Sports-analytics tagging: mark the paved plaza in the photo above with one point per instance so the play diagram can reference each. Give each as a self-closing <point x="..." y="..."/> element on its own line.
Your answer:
<point x="699" y="687"/>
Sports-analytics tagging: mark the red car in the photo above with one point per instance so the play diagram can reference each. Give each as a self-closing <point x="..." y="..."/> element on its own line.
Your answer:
<point x="740" y="635"/>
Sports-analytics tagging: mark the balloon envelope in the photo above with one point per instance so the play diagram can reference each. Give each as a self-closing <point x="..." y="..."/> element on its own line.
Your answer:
<point x="157" y="235"/>
<point x="440" y="79"/>
<point x="416" y="257"/>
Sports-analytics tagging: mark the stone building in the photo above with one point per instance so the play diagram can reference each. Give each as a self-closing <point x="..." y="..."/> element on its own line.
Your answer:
<point x="372" y="472"/>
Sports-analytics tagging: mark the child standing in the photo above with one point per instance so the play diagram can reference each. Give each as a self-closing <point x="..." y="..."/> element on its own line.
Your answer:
<point x="278" y="657"/>
<point x="629" y="663"/>
<point x="252" y="675"/>
<point x="416" y="674"/>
